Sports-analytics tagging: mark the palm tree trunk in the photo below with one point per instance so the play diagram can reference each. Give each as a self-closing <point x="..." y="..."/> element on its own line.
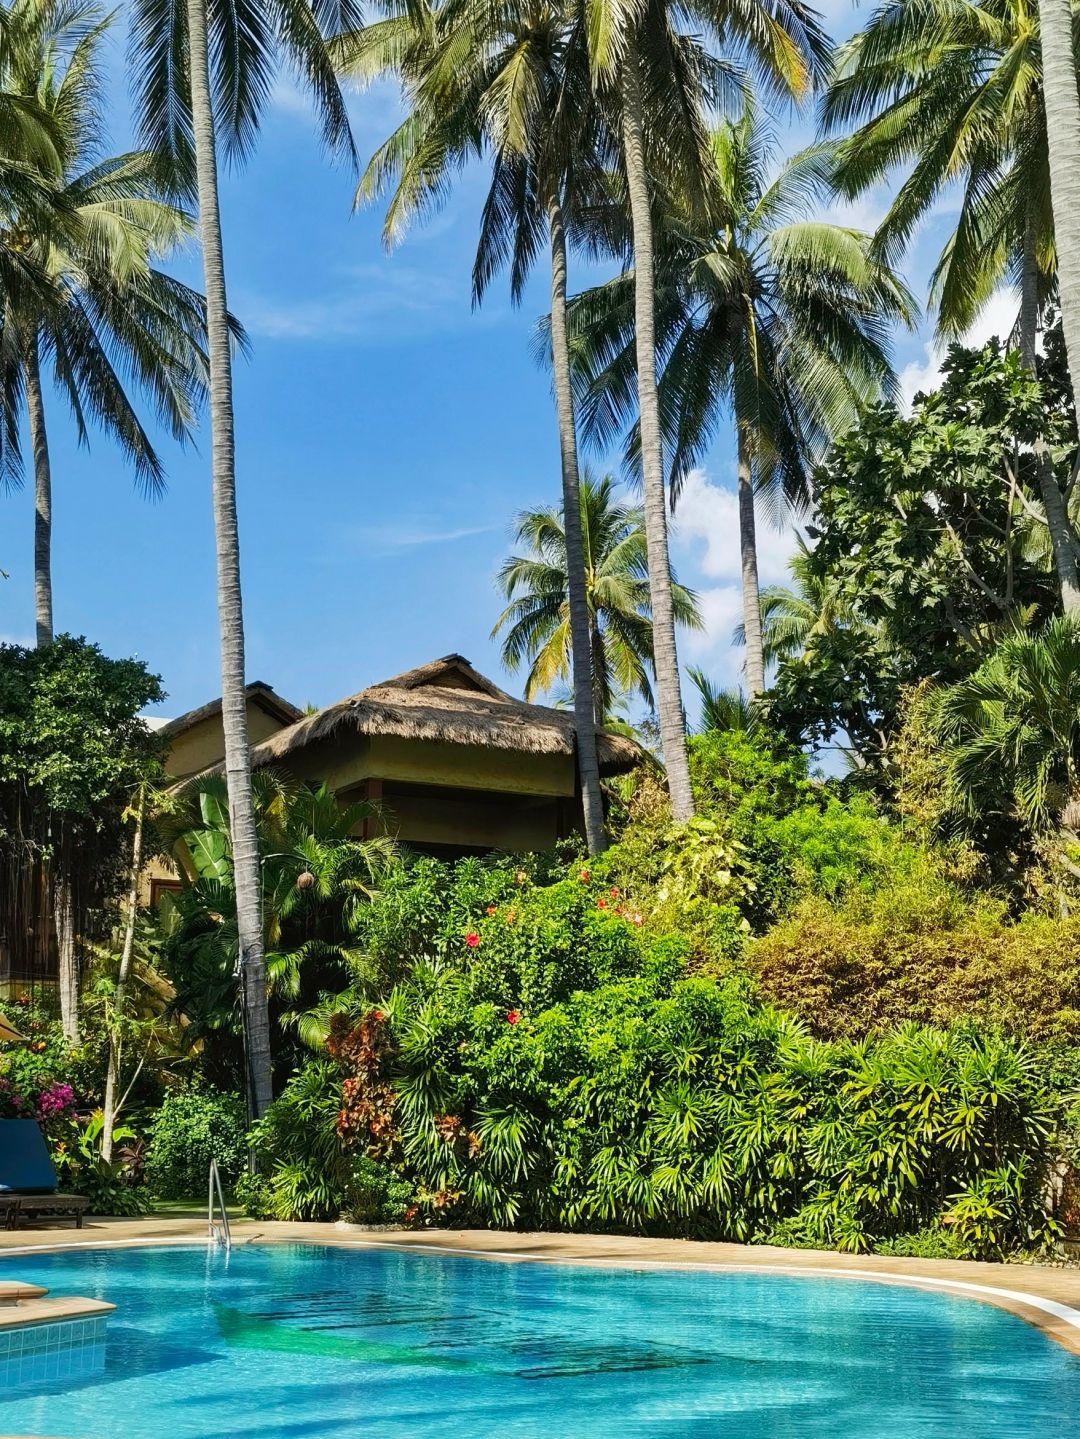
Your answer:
<point x="1062" y="540"/>
<point x="1062" y="105"/>
<point x="39" y="440"/>
<point x="665" y="656"/>
<point x="245" y="846"/>
<point x="127" y="953"/>
<point x="585" y="719"/>
<point x="751" y="592"/>
<point x="63" y="903"/>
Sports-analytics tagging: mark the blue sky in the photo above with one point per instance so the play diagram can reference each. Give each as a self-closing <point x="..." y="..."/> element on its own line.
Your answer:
<point x="386" y="435"/>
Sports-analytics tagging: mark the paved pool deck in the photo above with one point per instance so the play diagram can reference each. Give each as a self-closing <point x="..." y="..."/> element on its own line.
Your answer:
<point x="1044" y="1295"/>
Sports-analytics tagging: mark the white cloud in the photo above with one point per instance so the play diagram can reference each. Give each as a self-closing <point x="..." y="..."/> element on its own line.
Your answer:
<point x="998" y="318"/>
<point x="705" y="542"/>
<point x="380" y="301"/>
<point x="404" y="536"/>
<point x="710" y="513"/>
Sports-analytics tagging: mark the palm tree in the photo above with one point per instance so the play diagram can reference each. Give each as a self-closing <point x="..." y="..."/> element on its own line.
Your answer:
<point x="723" y="709"/>
<point x="793" y="616"/>
<point x="776" y="319"/>
<point x="952" y="91"/>
<point x="660" y="83"/>
<point x="512" y="84"/>
<point x="1012" y="730"/>
<point x="108" y="311"/>
<point x="536" y="622"/>
<point x="203" y="74"/>
<point x="1062" y="103"/>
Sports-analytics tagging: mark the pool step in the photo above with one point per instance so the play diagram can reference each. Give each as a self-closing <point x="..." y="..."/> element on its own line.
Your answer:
<point x="13" y="1292"/>
<point x="60" y="1310"/>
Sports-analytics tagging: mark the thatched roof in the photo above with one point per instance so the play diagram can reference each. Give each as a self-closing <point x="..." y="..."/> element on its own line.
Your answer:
<point x="449" y="702"/>
<point x="264" y="696"/>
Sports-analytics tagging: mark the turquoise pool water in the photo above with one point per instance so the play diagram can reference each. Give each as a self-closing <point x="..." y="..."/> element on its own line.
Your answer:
<point x="287" y="1343"/>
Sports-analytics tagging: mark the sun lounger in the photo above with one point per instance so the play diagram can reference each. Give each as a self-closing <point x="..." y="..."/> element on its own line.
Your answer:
<point x="28" y="1179"/>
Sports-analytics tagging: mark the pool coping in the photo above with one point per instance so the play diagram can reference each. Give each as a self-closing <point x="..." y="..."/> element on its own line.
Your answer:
<point x="1046" y="1297"/>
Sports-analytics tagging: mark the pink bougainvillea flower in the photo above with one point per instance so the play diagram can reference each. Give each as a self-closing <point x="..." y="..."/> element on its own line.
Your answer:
<point x="512" y="1016"/>
<point x="472" y="939"/>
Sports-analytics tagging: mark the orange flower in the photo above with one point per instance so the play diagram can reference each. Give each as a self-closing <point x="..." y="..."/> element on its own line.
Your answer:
<point x="490" y="910"/>
<point x="511" y="915"/>
<point x="614" y="891"/>
<point x="601" y="903"/>
<point x="472" y="939"/>
<point x="584" y="876"/>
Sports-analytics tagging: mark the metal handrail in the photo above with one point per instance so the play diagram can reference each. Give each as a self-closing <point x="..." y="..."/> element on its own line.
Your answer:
<point x="221" y="1232"/>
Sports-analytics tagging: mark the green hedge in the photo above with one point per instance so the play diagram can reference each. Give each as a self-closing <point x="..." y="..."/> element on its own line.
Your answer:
<point x="692" y="1109"/>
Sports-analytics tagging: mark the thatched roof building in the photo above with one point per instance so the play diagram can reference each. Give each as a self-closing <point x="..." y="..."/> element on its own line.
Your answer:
<point x="454" y="764"/>
<point x="445" y="702"/>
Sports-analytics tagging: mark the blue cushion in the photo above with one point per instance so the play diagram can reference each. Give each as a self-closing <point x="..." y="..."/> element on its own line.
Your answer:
<point x="25" y="1166"/>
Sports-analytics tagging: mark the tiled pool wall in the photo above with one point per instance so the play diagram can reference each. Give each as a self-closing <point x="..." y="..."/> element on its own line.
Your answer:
<point x="39" y="1353"/>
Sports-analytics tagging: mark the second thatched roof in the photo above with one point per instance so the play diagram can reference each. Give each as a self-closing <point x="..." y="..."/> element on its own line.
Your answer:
<point x="448" y="702"/>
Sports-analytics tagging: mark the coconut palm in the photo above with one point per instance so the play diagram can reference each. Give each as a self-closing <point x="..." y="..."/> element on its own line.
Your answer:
<point x="536" y="622"/>
<point x="202" y="76"/>
<point x="723" y="709"/>
<point x="661" y="83"/>
<point x="792" y="616"/>
<point x="951" y="92"/>
<point x="1012" y="733"/>
<point x="1061" y="100"/>
<point x="511" y="84"/>
<point x="775" y="319"/>
<point x="107" y="314"/>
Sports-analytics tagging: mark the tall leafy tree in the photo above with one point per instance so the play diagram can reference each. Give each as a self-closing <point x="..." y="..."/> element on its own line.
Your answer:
<point x="770" y="317"/>
<point x="203" y="73"/>
<point x="104" y="316"/>
<point x="511" y="84"/>
<point x="661" y="83"/>
<point x="947" y="93"/>
<point x="536" y="623"/>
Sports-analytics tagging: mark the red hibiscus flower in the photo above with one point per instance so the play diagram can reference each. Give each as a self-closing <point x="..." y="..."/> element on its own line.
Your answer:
<point x="472" y="939"/>
<point x="512" y="1016"/>
<point x="601" y="903"/>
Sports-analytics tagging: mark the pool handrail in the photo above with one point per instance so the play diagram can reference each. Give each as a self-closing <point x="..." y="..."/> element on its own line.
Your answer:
<point x="218" y="1232"/>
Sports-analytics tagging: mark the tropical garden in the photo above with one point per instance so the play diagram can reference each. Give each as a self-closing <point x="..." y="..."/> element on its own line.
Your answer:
<point x="811" y="974"/>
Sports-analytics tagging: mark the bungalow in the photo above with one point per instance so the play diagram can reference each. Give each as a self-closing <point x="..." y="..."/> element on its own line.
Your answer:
<point x="456" y="765"/>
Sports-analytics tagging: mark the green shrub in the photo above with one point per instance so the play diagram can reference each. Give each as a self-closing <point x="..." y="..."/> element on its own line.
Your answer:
<point x="307" y="1170"/>
<point x="915" y="952"/>
<point x="692" y="1109"/>
<point x="192" y="1127"/>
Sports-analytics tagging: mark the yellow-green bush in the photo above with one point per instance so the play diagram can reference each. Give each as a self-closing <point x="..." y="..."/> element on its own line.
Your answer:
<point x="873" y="963"/>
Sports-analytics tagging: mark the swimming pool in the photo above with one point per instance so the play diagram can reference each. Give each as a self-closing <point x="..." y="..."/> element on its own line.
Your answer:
<point x="298" y="1342"/>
